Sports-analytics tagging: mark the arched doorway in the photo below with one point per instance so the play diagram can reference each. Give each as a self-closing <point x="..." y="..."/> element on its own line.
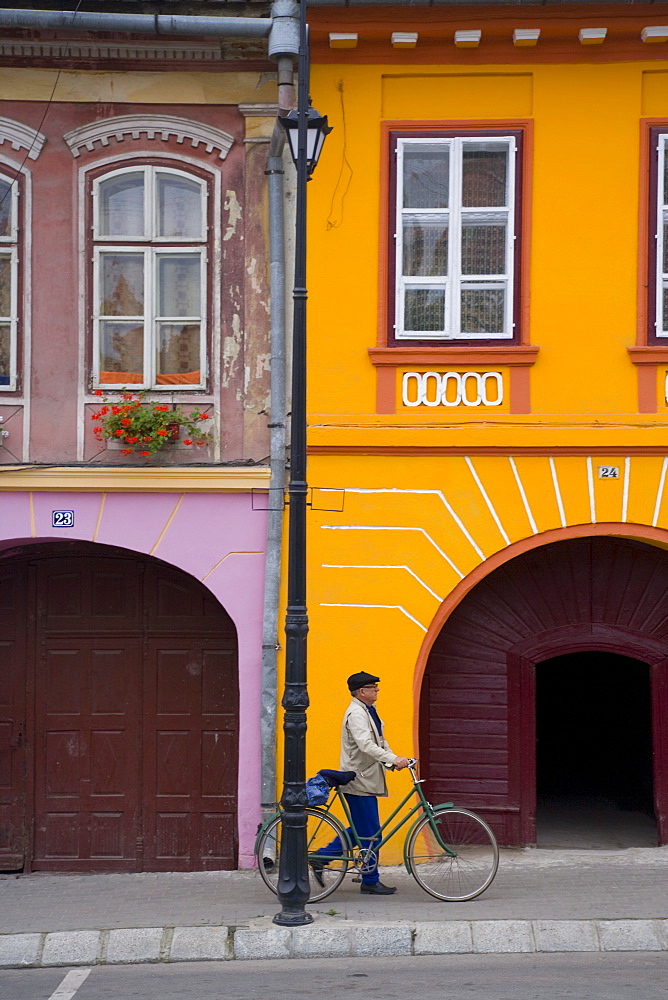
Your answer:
<point x="594" y="776"/>
<point x="478" y="701"/>
<point x="119" y="715"/>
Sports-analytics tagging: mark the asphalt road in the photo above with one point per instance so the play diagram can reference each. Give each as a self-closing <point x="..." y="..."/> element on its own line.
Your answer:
<point x="618" y="976"/>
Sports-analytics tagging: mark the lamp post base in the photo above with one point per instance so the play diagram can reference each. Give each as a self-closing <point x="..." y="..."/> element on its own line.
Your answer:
<point x="292" y="917"/>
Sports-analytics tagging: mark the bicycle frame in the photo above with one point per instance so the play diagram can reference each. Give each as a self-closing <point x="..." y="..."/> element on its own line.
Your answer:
<point x="422" y="805"/>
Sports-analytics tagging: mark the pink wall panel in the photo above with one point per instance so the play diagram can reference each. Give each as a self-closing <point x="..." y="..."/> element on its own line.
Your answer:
<point x="135" y="520"/>
<point x="217" y="538"/>
<point x="202" y="532"/>
<point x="86" y="507"/>
<point x="15" y="515"/>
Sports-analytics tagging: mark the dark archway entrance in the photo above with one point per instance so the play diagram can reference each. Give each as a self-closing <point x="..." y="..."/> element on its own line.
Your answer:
<point x="118" y="715"/>
<point x="599" y="595"/>
<point x="594" y="776"/>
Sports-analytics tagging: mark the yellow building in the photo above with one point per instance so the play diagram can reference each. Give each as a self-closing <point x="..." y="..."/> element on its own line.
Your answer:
<point x="488" y="363"/>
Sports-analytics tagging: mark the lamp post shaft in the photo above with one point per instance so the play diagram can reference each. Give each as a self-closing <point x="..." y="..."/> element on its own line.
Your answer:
<point x="293" y="880"/>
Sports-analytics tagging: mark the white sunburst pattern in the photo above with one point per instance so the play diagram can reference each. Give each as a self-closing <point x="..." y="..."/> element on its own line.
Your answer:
<point x="551" y="492"/>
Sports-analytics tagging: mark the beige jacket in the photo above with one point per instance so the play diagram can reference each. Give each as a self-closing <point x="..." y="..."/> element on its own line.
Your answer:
<point x="363" y="751"/>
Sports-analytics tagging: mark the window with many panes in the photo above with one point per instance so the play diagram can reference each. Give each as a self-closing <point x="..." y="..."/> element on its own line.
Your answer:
<point x="150" y="278"/>
<point x="8" y="281"/>
<point x="454" y="229"/>
<point x="658" y="282"/>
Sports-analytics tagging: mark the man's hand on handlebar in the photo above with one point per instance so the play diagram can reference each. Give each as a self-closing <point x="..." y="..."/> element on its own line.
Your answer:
<point x="400" y="763"/>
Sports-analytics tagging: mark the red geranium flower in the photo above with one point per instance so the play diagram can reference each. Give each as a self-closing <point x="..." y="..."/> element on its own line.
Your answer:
<point x="119" y="433"/>
<point x="201" y="442"/>
<point x="126" y="451"/>
<point x="203" y="416"/>
<point x="115" y="409"/>
<point x="162" y="431"/>
<point x="187" y="441"/>
<point x="126" y="422"/>
<point x="98" y="392"/>
<point x="147" y="453"/>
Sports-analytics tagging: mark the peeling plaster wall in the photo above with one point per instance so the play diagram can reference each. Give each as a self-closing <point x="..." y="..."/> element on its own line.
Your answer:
<point x="48" y="416"/>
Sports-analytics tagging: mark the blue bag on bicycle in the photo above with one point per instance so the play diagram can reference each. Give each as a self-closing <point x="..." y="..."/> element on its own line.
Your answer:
<point x="317" y="791"/>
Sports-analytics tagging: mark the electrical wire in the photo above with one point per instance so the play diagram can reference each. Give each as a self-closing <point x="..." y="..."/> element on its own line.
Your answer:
<point x="49" y="102"/>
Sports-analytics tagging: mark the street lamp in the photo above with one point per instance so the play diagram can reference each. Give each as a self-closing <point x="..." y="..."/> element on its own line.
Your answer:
<point x="306" y="131"/>
<point x="317" y="129"/>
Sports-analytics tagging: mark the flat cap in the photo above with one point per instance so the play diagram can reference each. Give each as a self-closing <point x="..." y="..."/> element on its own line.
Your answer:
<point x="360" y="680"/>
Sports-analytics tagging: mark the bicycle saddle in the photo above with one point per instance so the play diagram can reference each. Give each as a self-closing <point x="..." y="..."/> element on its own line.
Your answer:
<point x="336" y="778"/>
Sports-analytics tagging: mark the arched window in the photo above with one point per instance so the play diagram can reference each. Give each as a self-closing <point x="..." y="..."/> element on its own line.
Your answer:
<point x="9" y="232"/>
<point x="150" y="278"/>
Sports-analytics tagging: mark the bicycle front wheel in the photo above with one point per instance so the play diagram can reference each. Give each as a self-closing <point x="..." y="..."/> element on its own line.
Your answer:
<point x="470" y="868"/>
<point x="321" y="829"/>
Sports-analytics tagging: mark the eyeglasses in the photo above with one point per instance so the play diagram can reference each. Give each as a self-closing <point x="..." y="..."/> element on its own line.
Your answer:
<point x="370" y="687"/>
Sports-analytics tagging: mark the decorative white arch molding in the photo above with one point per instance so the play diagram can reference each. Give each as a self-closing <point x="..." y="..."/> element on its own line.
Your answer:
<point x="153" y="127"/>
<point x="21" y="136"/>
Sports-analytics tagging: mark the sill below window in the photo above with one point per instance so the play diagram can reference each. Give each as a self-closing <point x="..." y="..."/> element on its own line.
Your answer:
<point x="517" y="359"/>
<point x="396" y="356"/>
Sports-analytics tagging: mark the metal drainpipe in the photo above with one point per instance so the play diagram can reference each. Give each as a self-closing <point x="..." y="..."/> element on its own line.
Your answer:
<point x="278" y="411"/>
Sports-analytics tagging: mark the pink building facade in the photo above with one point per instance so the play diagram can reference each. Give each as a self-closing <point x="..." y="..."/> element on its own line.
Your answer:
<point x="133" y="256"/>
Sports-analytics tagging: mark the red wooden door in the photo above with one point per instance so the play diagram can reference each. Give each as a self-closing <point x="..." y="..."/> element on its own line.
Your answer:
<point x="190" y="756"/>
<point x="13" y="740"/>
<point x="134" y="717"/>
<point x="87" y="754"/>
<point x="478" y="726"/>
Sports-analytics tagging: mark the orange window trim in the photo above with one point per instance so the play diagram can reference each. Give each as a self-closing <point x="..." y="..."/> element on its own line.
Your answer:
<point x="385" y="358"/>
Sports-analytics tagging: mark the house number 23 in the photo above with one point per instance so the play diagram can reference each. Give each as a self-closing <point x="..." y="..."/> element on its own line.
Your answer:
<point x="452" y="389"/>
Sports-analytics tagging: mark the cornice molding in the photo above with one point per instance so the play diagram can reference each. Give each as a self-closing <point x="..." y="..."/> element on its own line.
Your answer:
<point x="258" y="110"/>
<point x="162" y="127"/>
<point x="181" y="479"/>
<point x="21" y="136"/>
<point x="134" y="51"/>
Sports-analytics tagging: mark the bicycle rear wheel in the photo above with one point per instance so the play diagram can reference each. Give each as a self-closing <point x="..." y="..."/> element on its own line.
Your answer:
<point x="321" y="829"/>
<point x="474" y="860"/>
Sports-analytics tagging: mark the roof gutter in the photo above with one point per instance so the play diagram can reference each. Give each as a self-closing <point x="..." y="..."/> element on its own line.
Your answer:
<point x="282" y="28"/>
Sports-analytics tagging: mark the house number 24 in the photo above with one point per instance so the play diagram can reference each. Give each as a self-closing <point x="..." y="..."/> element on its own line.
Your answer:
<point x="452" y="389"/>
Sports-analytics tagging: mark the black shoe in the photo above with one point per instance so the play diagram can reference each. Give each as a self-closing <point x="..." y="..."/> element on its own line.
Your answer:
<point x="377" y="889"/>
<point x="317" y="867"/>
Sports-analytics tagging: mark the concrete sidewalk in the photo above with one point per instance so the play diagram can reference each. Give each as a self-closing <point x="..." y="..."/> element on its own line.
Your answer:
<point x="541" y="900"/>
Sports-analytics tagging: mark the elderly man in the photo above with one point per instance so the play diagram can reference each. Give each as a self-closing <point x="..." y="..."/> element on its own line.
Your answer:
<point x="364" y="750"/>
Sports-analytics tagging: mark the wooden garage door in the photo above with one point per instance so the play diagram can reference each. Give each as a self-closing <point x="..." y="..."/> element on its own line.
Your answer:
<point x="477" y="709"/>
<point x="133" y="728"/>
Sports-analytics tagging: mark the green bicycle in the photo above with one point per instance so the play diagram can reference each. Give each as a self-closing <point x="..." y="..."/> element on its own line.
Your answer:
<point x="450" y="852"/>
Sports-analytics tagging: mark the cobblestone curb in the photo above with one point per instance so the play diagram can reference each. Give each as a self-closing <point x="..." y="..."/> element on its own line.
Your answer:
<point x="327" y="938"/>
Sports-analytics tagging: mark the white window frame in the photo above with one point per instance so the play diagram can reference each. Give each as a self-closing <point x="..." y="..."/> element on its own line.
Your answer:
<point x="661" y="321"/>
<point x="9" y="246"/>
<point x="160" y="246"/>
<point x="452" y="283"/>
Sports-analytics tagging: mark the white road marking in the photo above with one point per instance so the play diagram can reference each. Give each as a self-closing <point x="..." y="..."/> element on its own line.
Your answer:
<point x="70" y="984"/>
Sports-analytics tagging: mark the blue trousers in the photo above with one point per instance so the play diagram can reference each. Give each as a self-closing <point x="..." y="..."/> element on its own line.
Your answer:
<point x="364" y="814"/>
